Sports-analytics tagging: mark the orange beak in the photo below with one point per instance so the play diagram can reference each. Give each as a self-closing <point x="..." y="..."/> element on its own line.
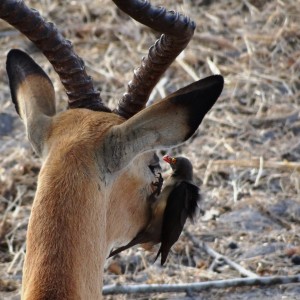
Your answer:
<point x="167" y="159"/>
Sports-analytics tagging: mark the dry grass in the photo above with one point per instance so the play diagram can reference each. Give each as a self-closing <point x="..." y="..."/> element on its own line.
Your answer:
<point x="252" y="131"/>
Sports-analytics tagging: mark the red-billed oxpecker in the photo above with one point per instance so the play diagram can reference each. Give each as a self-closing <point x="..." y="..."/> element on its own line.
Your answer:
<point x="170" y="210"/>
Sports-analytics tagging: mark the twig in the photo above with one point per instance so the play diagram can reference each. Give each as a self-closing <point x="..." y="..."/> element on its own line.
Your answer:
<point x="229" y="262"/>
<point x="260" y="171"/>
<point x="198" y="286"/>
<point x="188" y="69"/>
<point x="212" y="66"/>
<point x="9" y="33"/>
<point x="220" y="257"/>
<point x="275" y="121"/>
<point x="255" y="163"/>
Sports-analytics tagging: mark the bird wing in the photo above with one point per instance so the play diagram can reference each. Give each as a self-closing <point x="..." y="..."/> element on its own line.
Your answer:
<point x="142" y="237"/>
<point x="192" y="199"/>
<point x="181" y="204"/>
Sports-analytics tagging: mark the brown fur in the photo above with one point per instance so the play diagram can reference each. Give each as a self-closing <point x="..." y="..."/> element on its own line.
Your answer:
<point x="95" y="179"/>
<point x="68" y="237"/>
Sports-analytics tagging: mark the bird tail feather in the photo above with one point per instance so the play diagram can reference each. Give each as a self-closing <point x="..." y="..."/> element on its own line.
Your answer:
<point x="164" y="255"/>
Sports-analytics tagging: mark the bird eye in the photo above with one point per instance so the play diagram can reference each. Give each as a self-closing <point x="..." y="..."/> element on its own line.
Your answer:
<point x="173" y="160"/>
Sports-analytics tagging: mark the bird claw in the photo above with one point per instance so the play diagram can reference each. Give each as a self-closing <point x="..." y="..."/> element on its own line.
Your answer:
<point x="158" y="186"/>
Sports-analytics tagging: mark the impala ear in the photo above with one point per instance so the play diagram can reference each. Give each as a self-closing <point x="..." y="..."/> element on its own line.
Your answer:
<point x="167" y="123"/>
<point x="33" y="95"/>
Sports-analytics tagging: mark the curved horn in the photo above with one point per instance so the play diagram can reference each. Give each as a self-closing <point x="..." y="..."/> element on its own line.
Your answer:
<point x="178" y="30"/>
<point x="59" y="51"/>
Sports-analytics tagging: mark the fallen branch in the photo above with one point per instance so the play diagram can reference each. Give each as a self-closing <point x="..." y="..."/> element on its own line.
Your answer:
<point x="198" y="286"/>
<point x="219" y="257"/>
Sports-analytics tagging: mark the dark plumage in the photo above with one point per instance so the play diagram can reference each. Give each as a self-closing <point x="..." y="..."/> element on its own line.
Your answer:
<point x="177" y="202"/>
<point x="182" y="203"/>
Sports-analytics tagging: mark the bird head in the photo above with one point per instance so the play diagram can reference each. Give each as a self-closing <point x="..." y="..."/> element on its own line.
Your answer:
<point x="181" y="166"/>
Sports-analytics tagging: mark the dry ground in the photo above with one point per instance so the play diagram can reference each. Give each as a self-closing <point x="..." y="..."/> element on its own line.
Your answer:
<point x="245" y="154"/>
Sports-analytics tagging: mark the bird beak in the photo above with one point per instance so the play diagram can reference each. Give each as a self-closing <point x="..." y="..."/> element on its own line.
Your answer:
<point x="167" y="159"/>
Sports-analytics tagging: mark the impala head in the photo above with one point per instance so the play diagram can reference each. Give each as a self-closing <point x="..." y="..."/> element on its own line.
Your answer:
<point x="98" y="165"/>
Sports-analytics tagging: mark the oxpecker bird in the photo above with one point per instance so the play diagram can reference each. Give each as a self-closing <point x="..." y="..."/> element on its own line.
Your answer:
<point x="182" y="201"/>
<point x="169" y="211"/>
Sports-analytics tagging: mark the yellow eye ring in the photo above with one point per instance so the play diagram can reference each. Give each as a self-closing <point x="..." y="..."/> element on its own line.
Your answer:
<point x="173" y="160"/>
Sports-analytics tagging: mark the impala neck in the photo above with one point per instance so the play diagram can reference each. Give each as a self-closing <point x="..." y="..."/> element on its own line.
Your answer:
<point x="66" y="239"/>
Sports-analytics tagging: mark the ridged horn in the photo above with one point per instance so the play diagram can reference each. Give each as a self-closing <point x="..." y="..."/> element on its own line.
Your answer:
<point x="59" y="51"/>
<point x="177" y="31"/>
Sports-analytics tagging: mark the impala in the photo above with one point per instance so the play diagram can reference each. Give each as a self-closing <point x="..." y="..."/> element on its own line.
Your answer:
<point x="98" y="165"/>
